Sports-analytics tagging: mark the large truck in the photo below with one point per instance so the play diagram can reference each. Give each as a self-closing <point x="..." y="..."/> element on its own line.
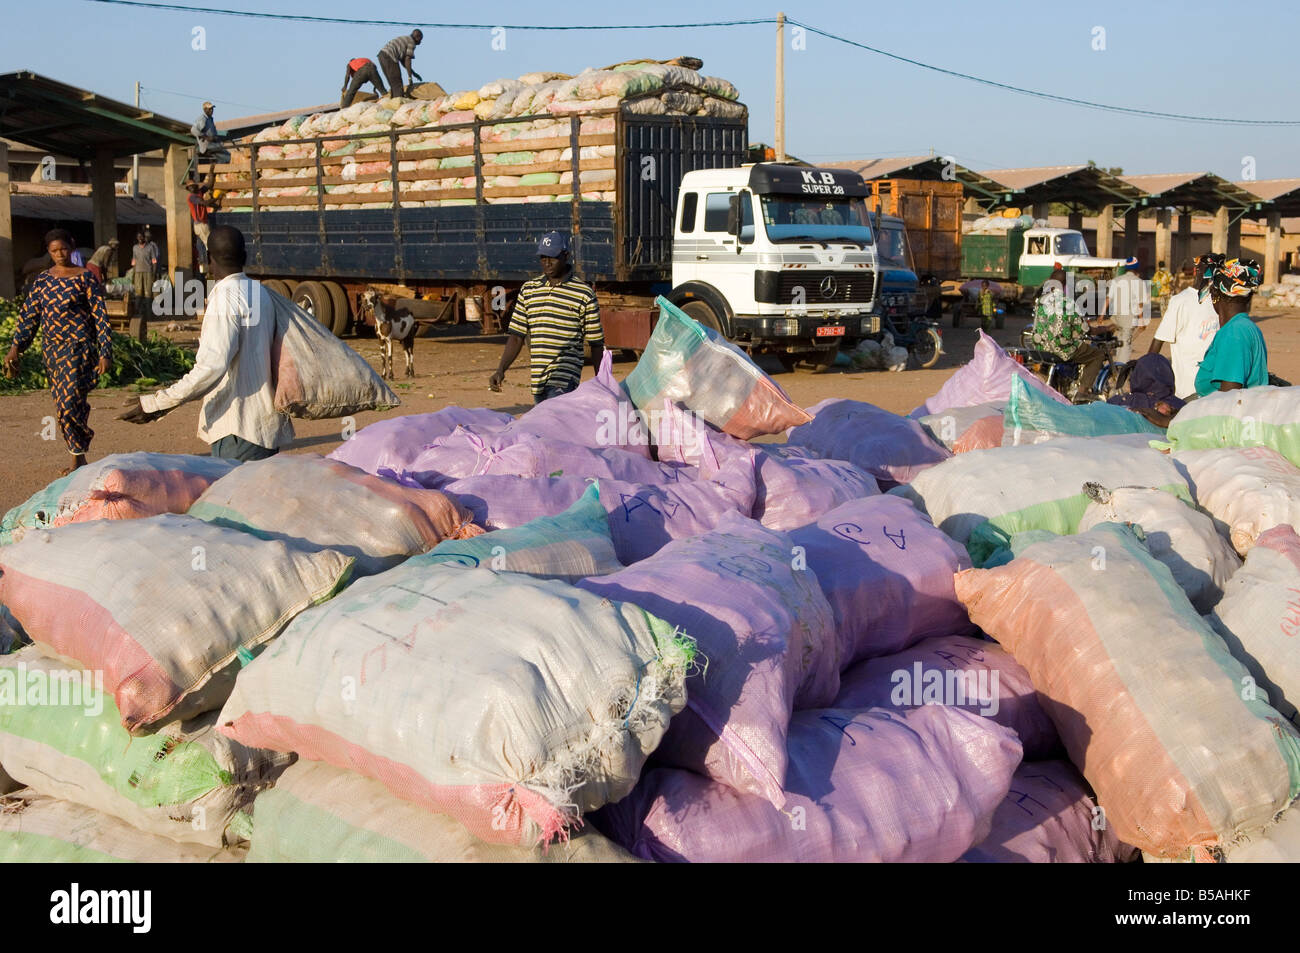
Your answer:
<point x="778" y="258"/>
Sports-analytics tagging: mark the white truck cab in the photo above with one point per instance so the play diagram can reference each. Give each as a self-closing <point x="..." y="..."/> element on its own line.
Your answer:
<point x="1044" y="248"/>
<point x="779" y="258"/>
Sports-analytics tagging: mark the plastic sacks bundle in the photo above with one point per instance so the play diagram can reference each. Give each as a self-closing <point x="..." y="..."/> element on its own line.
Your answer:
<point x="985" y="377"/>
<point x="766" y="637"/>
<point x="1048" y="817"/>
<point x="120" y="486"/>
<point x="889" y="447"/>
<point x="961" y="671"/>
<point x="698" y="368"/>
<point x="149" y="602"/>
<point x="1175" y="533"/>
<point x="41" y="830"/>
<point x="315" y="374"/>
<point x="185" y="782"/>
<point x="571" y="546"/>
<point x="873" y="786"/>
<point x="1215" y="766"/>
<point x="887" y="573"/>
<point x="1247" y="489"/>
<point x="1259" y="617"/>
<point x="312" y="503"/>
<point x="1247" y="417"/>
<point x="317" y="813"/>
<point x="981" y="499"/>
<point x="393" y="443"/>
<point x="514" y="724"/>
<point x="962" y="429"/>
<point x="1031" y="417"/>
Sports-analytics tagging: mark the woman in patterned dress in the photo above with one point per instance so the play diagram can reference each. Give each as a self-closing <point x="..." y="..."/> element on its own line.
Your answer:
<point x="68" y="305"/>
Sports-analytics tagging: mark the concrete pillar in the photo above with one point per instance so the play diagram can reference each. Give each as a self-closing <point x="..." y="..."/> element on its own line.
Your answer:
<point x="1234" y="238"/>
<point x="1272" y="247"/>
<point x="7" y="285"/>
<point x="1041" y="210"/>
<point x="1219" y="237"/>
<point x="103" y="197"/>
<point x="180" y="237"/>
<point x="1132" y="226"/>
<point x="1163" y="249"/>
<point x="1183" y="249"/>
<point x="1105" y="232"/>
<point x="1075" y="221"/>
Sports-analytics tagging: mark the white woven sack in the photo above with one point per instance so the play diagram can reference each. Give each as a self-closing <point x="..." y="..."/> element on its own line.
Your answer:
<point x="1248" y="490"/>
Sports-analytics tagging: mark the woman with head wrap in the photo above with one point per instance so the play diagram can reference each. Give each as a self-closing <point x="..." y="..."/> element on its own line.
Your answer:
<point x="1237" y="357"/>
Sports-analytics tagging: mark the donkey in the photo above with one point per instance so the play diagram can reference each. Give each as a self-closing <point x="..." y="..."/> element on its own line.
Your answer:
<point x="393" y="323"/>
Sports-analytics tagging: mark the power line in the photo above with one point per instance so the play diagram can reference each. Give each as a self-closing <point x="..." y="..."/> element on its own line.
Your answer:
<point x="304" y="18"/>
<point x="1006" y="87"/>
<point x="1129" y="110"/>
<point x="202" y="99"/>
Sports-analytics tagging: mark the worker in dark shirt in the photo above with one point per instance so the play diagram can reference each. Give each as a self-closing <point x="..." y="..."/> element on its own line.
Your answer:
<point x="359" y="72"/>
<point x="398" y="52"/>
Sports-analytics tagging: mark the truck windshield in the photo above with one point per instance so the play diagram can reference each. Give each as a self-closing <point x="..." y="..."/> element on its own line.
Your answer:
<point x="892" y="248"/>
<point x="789" y="218"/>
<point x="1071" y="243"/>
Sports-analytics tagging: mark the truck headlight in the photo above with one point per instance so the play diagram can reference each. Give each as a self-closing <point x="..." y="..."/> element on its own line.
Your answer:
<point x="786" y="326"/>
<point x="871" y="325"/>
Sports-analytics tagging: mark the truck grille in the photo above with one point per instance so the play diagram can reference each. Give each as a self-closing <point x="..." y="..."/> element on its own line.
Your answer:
<point x="825" y="287"/>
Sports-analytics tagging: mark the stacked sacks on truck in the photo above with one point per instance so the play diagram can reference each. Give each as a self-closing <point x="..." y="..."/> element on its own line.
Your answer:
<point x="542" y="106"/>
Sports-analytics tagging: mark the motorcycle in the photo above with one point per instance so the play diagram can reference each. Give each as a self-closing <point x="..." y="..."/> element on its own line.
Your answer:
<point x="1063" y="375"/>
<point x="921" y="337"/>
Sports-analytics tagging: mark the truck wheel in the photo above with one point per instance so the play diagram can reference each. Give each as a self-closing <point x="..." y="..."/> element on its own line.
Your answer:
<point x="315" y="299"/>
<point x="927" y="348"/>
<point x="788" y="362"/>
<point x="701" y="312"/>
<point x="342" y="307"/>
<point x="956" y="315"/>
<point x="823" y="361"/>
<point x="278" y="286"/>
<point x="1000" y="320"/>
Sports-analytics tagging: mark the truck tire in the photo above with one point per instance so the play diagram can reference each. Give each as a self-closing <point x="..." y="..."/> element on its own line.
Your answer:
<point x="956" y="314"/>
<point x="788" y="362"/>
<point x="701" y="312"/>
<point x="1000" y="320"/>
<point x="315" y="299"/>
<point x="279" y="287"/>
<point x="342" y="307"/>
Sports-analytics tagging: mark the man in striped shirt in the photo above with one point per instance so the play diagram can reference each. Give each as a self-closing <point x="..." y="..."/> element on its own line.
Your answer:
<point x="556" y="313"/>
<point x="398" y="52"/>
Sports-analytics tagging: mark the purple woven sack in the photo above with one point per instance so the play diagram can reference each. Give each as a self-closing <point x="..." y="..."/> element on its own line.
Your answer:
<point x="987" y="677"/>
<point x="871" y="786"/>
<point x="891" y="448"/>
<point x="887" y="573"/>
<point x="767" y="641"/>
<point x="985" y="377"/>
<point x="393" y="443"/>
<point x="643" y="517"/>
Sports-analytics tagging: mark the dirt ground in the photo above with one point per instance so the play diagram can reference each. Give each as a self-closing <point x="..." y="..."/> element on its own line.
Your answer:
<point x="453" y="368"/>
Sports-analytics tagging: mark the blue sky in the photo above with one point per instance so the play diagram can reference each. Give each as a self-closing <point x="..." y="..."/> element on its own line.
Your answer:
<point x="841" y="103"/>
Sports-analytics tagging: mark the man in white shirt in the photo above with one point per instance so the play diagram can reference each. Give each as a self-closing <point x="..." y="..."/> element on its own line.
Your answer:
<point x="232" y="371"/>
<point x="1189" y="325"/>
<point x="1128" y="304"/>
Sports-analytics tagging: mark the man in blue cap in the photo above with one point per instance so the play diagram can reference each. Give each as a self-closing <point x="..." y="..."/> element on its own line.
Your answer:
<point x="1128" y="305"/>
<point x="556" y="313"/>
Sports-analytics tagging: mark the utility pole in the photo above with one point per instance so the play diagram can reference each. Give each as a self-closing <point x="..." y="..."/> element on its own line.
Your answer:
<point x="780" y="87"/>
<point x="135" y="159"/>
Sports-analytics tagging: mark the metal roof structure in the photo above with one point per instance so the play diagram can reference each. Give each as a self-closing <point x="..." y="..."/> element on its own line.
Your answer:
<point x="932" y="168"/>
<point x="1086" y="184"/>
<point x="1278" y="195"/>
<point x="75" y="122"/>
<point x="77" y="208"/>
<point x="1197" y="190"/>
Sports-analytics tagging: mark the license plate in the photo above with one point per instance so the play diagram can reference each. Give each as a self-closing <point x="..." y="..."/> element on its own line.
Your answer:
<point x="831" y="331"/>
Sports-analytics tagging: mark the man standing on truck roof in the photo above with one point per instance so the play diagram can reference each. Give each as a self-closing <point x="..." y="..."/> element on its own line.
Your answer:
<point x="232" y="371"/>
<point x="398" y="52"/>
<point x="556" y="313"/>
<point x="359" y="72"/>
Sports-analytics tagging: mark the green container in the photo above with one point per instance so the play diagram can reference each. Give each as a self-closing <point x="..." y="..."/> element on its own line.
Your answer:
<point x="995" y="256"/>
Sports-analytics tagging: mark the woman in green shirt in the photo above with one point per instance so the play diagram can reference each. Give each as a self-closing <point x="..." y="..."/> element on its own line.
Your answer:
<point x="1237" y="357"/>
